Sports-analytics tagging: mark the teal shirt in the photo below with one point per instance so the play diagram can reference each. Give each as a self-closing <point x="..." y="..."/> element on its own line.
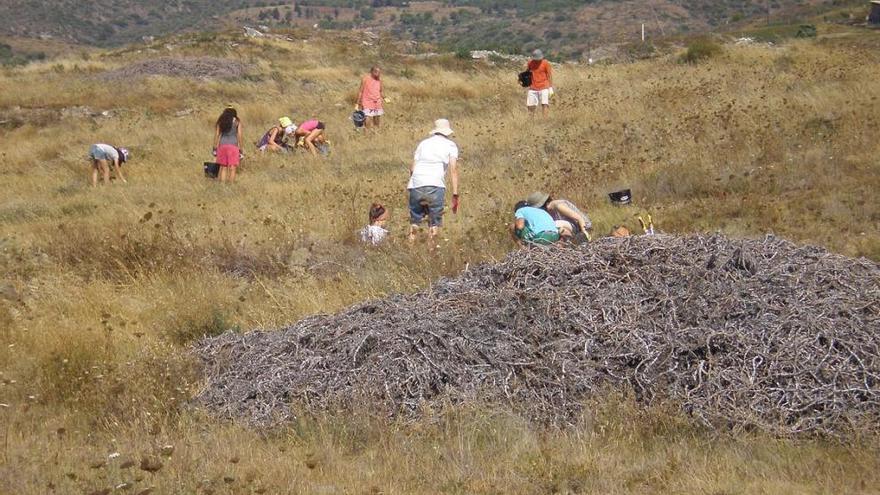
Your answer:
<point x="537" y="220"/>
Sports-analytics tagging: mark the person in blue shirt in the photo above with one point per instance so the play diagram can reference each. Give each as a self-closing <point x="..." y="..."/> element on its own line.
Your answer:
<point x="533" y="226"/>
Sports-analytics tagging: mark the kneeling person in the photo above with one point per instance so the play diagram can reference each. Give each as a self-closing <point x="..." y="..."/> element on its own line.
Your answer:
<point x="533" y="225"/>
<point x="275" y="139"/>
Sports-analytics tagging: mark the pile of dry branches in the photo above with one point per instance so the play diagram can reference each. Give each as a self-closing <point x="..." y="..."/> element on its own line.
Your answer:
<point x="753" y="333"/>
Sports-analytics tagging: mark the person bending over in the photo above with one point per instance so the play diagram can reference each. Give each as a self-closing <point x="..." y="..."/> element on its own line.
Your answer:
<point x="313" y="135"/>
<point x="102" y="156"/>
<point x="533" y="226"/>
<point x="573" y="224"/>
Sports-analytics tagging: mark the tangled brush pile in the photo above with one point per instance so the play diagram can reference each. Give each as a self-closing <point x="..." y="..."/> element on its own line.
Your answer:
<point x="751" y="333"/>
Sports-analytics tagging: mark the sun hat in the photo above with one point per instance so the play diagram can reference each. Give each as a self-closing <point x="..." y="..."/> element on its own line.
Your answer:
<point x="538" y="199"/>
<point x="537" y="54"/>
<point x="441" y="126"/>
<point x="123" y="154"/>
<point x="285" y="122"/>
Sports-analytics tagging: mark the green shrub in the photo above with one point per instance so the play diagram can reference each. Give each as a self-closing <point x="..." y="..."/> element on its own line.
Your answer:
<point x="463" y="53"/>
<point x="806" y="31"/>
<point x="700" y="50"/>
<point x="196" y="325"/>
<point x="640" y="51"/>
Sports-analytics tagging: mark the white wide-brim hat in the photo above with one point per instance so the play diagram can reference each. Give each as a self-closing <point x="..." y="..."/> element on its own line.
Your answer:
<point x="441" y="126"/>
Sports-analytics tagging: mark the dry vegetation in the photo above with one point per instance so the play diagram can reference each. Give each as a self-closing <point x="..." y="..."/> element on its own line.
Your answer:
<point x="104" y="289"/>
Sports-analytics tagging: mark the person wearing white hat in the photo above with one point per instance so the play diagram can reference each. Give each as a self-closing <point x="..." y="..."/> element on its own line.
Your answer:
<point x="275" y="139"/>
<point x="427" y="181"/>
<point x="102" y="155"/>
<point x="542" y="83"/>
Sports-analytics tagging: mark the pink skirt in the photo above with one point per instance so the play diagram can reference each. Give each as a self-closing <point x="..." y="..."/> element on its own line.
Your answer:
<point x="228" y="155"/>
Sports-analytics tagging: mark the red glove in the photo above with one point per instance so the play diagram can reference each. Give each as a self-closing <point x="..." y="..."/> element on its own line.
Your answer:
<point x="455" y="203"/>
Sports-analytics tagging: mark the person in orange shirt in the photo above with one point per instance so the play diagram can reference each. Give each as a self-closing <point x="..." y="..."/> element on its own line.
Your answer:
<point x="371" y="98"/>
<point x="542" y="83"/>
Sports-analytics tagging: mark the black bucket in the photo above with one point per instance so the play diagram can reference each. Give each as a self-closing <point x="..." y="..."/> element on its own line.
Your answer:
<point x="212" y="170"/>
<point x="622" y="197"/>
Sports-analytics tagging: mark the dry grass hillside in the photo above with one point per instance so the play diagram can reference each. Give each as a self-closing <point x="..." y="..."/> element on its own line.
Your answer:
<point x="104" y="289"/>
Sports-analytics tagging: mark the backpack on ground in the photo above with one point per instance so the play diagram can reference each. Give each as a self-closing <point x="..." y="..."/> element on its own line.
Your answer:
<point x="525" y="78"/>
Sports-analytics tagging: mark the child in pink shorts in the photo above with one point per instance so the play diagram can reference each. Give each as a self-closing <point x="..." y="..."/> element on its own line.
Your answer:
<point x="312" y="132"/>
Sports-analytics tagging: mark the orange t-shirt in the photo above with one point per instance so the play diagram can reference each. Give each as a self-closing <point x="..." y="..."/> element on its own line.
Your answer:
<point x="541" y="73"/>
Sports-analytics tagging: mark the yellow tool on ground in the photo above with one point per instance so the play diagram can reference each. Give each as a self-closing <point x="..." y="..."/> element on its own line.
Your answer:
<point x="647" y="226"/>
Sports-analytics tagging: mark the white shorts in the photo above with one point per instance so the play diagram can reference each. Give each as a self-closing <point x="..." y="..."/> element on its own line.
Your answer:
<point x="536" y="97"/>
<point x="374" y="113"/>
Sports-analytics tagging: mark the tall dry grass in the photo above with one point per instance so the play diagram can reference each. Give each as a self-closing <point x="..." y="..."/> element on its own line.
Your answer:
<point x="103" y="289"/>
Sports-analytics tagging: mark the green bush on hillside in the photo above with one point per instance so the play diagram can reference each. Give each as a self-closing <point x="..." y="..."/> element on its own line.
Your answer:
<point x="700" y="50"/>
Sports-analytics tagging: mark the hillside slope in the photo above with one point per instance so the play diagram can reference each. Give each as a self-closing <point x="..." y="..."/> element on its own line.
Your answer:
<point x="102" y="291"/>
<point x="567" y="27"/>
<point x="106" y="22"/>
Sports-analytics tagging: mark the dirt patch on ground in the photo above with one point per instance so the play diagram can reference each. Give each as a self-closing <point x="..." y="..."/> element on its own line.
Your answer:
<point x="742" y="334"/>
<point x="193" y="68"/>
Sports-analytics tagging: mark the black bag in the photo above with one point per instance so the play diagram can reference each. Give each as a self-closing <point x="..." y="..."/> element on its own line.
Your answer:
<point x="212" y="170"/>
<point x="525" y="78"/>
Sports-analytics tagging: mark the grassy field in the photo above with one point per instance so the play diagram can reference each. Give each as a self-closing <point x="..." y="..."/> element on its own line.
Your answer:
<point x="103" y="289"/>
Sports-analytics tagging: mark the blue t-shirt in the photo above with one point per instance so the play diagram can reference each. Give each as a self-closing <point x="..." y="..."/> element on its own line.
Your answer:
<point x="537" y="220"/>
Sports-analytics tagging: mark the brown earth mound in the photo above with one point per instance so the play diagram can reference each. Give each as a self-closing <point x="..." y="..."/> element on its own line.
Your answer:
<point x="194" y="68"/>
<point x="752" y="333"/>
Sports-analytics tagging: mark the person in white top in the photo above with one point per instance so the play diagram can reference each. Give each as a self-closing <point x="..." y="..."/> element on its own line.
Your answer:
<point x="375" y="233"/>
<point x="102" y="156"/>
<point x="427" y="181"/>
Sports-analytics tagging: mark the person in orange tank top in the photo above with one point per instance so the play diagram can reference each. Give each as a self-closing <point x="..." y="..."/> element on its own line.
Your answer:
<point x="371" y="97"/>
<point x="542" y="83"/>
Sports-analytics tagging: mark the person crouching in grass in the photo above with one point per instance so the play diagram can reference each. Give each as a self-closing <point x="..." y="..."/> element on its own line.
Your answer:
<point x="573" y="224"/>
<point x="533" y="226"/>
<point x="275" y="139"/>
<point x="102" y="155"/>
<point x="313" y="135"/>
<point x="375" y="232"/>
<point x="227" y="143"/>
